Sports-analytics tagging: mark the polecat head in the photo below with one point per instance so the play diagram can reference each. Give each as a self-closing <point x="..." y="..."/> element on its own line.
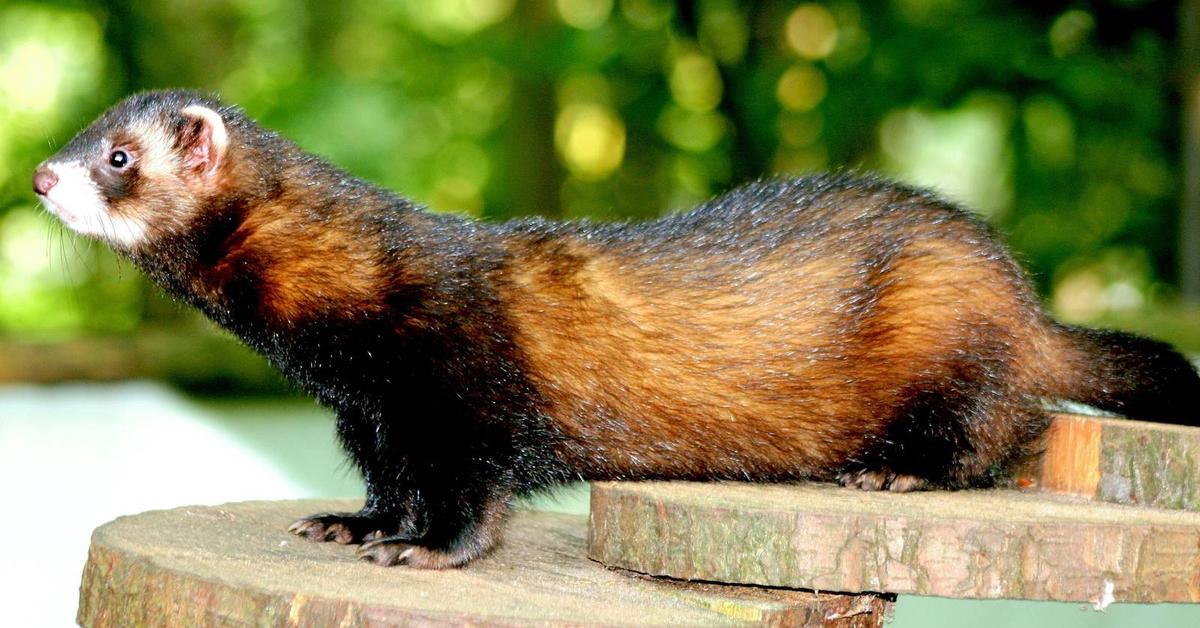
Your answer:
<point x="142" y="170"/>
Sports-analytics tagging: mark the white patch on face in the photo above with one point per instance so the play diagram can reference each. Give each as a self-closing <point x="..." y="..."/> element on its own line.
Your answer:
<point x="76" y="201"/>
<point x="156" y="160"/>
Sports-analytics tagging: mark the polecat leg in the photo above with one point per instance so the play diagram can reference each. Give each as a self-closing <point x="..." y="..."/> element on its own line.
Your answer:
<point x="446" y="544"/>
<point x="948" y="446"/>
<point x="344" y="527"/>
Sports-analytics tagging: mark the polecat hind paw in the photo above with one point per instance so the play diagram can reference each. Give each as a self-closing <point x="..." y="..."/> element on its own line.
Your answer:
<point x="397" y="550"/>
<point x="882" y="479"/>
<point x="343" y="528"/>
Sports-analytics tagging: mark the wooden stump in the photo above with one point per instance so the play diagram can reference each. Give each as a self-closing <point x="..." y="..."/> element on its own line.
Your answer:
<point x="236" y="565"/>
<point x="1120" y="461"/>
<point x="962" y="544"/>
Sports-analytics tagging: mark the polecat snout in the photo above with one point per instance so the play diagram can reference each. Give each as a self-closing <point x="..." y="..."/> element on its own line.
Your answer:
<point x="830" y="327"/>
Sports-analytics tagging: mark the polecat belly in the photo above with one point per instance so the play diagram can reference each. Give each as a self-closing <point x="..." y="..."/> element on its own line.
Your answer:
<point x="830" y="327"/>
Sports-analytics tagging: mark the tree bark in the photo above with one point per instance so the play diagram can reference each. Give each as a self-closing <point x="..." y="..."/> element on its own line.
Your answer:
<point x="958" y="544"/>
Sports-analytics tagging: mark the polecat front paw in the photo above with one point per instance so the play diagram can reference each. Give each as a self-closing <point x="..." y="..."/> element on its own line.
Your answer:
<point x="397" y="550"/>
<point x="340" y="527"/>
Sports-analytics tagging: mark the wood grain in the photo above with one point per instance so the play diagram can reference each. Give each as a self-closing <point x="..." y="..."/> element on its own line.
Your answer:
<point x="963" y="544"/>
<point x="1119" y="461"/>
<point x="235" y="565"/>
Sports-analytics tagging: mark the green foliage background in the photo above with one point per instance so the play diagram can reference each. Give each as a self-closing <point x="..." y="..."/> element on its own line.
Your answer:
<point x="1058" y="121"/>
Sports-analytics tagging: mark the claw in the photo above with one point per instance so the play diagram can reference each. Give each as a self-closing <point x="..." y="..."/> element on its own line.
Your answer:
<point x="307" y="528"/>
<point x="873" y="480"/>
<point x="340" y="528"/>
<point x="385" y="552"/>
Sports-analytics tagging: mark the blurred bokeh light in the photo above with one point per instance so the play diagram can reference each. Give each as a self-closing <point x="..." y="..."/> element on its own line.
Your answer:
<point x="1055" y="121"/>
<point x="1041" y="119"/>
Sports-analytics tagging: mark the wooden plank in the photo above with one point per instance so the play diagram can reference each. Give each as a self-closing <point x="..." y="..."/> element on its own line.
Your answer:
<point x="235" y="565"/>
<point x="1119" y="461"/>
<point x="960" y="544"/>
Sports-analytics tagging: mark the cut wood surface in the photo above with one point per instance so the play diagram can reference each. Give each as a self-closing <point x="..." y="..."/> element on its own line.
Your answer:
<point x="959" y="544"/>
<point x="1120" y="461"/>
<point x="235" y="565"/>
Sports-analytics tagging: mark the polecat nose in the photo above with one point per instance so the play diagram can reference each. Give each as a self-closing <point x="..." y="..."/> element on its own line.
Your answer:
<point x="43" y="180"/>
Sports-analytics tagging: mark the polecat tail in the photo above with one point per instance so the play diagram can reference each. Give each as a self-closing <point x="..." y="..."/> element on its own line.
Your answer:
<point x="1133" y="376"/>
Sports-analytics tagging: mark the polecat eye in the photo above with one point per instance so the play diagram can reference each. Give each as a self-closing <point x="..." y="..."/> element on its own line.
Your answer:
<point x="118" y="159"/>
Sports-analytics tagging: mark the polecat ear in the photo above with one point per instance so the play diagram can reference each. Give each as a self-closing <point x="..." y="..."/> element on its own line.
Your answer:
<point x="204" y="140"/>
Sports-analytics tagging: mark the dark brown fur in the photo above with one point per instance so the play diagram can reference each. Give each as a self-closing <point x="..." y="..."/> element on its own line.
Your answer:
<point x="784" y="362"/>
<point x="831" y="327"/>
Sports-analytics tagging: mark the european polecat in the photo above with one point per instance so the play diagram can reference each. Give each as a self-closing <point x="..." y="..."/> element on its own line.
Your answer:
<point x="830" y="327"/>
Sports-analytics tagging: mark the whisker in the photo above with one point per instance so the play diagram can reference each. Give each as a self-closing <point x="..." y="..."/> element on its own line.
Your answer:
<point x="64" y="237"/>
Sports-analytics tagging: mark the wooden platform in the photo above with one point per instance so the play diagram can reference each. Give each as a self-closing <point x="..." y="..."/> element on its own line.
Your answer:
<point x="1120" y="461"/>
<point x="1110" y="513"/>
<point x="236" y="565"/>
<point x="963" y="544"/>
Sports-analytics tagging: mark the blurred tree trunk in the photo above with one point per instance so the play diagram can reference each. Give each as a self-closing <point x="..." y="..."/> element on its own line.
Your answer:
<point x="750" y="160"/>
<point x="121" y="31"/>
<point x="535" y="172"/>
<point x="1189" y="223"/>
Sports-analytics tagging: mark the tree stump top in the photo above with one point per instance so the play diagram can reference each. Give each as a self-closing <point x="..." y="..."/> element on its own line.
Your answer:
<point x="962" y="544"/>
<point x="236" y="565"/>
